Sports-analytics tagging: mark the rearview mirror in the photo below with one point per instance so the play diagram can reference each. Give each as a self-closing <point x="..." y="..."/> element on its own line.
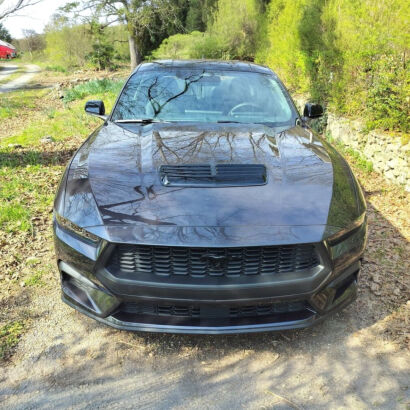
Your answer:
<point x="313" y="110"/>
<point x="95" y="107"/>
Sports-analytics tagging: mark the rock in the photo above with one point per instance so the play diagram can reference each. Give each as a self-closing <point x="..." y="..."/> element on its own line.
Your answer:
<point x="47" y="139"/>
<point x="15" y="146"/>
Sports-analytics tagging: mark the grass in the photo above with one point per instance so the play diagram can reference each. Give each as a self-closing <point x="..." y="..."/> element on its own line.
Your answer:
<point x="14" y="217"/>
<point x="11" y="104"/>
<point x="95" y="87"/>
<point x="9" y="338"/>
<point x="28" y="193"/>
<point x="36" y="279"/>
<point x="55" y="68"/>
<point x="60" y="121"/>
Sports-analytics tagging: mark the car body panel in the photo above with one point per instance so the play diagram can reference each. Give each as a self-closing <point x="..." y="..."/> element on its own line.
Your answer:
<point x="121" y="181"/>
<point x="112" y="189"/>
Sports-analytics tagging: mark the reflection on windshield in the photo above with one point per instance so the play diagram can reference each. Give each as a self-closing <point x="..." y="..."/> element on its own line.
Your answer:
<point x="198" y="95"/>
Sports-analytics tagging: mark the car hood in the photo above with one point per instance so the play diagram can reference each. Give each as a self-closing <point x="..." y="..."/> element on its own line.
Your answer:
<point x="114" y="189"/>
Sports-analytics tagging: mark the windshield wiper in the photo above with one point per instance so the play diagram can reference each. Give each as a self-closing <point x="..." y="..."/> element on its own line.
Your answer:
<point x="139" y="121"/>
<point x="229" y="122"/>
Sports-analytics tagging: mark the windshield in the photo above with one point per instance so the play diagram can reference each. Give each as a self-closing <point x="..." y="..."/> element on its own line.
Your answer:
<point x="201" y="96"/>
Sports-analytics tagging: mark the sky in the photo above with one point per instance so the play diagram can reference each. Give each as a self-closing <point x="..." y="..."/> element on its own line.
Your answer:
<point x="34" y="17"/>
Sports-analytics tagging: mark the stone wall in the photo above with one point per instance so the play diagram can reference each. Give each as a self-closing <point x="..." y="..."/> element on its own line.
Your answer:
<point x="387" y="153"/>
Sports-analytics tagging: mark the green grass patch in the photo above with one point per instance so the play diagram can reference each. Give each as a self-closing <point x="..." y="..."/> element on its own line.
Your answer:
<point x="36" y="279"/>
<point x="70" y="120"/>
<point x="9" y="338"/>
<point x="56" y="68"/>
<point x="11" y="103"/>
<point x="65" y="123"/>
<point x="94" y="87"/>
<point x="14" y="217"/>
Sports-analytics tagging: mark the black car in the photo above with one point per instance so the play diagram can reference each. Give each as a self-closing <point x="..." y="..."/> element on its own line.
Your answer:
<point x="205" y="204"/>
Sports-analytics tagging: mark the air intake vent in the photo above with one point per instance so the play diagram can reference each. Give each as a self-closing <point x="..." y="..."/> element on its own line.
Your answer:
<point x="130" y="261"/>
<point x="213" y="176"/>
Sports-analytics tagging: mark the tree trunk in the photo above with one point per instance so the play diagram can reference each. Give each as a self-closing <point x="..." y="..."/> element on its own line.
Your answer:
<point x="135" y="56"/>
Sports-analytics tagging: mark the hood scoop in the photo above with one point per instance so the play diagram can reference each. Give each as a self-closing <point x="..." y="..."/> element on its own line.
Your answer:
<point x="208" y="175"/>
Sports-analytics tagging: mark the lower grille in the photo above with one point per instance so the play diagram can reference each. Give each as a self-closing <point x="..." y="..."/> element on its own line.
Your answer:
<point x="131" y="260"/>
<point x="213" y="311"/>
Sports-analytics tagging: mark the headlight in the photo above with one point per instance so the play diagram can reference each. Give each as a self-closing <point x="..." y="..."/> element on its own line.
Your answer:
<point x="73" y="228"/>
<point x="348" y="243"/>
<point x="346" y="233"/>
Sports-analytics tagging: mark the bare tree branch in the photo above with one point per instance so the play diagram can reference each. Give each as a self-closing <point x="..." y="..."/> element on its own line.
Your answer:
<point x="17" y="5"/>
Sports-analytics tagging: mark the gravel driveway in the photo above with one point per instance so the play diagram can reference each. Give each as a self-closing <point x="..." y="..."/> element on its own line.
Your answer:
<point x="68" y="360"/>
<point x="30" y="71"/>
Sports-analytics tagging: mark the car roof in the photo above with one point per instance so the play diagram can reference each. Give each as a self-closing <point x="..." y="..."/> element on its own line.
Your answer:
<point x="205" y="64"/>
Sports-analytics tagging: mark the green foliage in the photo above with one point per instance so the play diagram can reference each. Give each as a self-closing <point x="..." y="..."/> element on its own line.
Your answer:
<point x="229" y="35"/>
<point x="56" y="68"/>
<point x="4" y="34"/>
<point x="236" y="26"/>
<point x="67" y="45"/>
<point x="95" y="87"/>
<point x="186" y="46"/>
<point x="14" y="217"/>
<point x="102" y="54"/>
<point x="9" y="337"/>
<point x="199" y="14"/>
<point x="350" y="54"/>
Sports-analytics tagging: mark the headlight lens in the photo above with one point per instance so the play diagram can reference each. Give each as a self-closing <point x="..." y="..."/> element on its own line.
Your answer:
<point x="73" y="228"/>
<point x="346" y="233"/>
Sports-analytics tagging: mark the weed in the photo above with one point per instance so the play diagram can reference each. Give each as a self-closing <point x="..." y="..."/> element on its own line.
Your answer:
<point x="56" y="68"/>
<point x="35" y="279"/>
<point x="92" y="88"/>
<point x="9" y="337"/>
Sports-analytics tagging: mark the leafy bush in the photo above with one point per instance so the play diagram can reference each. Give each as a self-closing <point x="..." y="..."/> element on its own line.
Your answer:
<point x="92" y="88"/>
<point x="229" y="35"/>
<point x="186" y="46"/>
<point x="352" y="55"/>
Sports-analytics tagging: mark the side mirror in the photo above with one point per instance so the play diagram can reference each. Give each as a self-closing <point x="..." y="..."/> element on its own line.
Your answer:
<point x="313" y="110"/>
<point x="95" y="107"/>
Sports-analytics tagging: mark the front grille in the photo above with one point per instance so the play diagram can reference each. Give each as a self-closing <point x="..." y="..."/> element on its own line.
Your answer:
<point x="213" y="311"/>
<point x="131" y="260"/>
<point x="213" y="176"/>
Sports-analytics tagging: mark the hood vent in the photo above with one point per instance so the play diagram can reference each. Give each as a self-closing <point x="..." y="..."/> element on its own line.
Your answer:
<point x="213" y="175"/>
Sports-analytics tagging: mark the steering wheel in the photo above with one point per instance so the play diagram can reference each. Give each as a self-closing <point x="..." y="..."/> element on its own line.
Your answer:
<point x="244" y="104"/>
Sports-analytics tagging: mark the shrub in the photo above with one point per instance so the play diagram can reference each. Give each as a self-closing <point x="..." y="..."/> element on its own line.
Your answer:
<point x="92" y="88"/>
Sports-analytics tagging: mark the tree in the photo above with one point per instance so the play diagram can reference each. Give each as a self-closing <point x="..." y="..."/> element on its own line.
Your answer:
<point x="8" y="8"/>
<point x="102" y="49"/>
<point x="32" y="42"/>
<point x="141" y="17"/>
<point x="4" y="34"/>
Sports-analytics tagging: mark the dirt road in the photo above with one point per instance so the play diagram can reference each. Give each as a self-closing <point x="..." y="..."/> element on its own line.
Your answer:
<point x="68" y="360"/>
<point x="30" y="70"/>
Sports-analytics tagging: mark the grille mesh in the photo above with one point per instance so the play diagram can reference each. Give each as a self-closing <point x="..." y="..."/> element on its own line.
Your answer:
<point x="131" y="260"/>
<point x="217" y="311"/>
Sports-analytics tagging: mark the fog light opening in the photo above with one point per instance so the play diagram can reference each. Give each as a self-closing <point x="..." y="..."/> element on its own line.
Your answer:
<point x="75" y="290"/>
<point x="345" y="285"/>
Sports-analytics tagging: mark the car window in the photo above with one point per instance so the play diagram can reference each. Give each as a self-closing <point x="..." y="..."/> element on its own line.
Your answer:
<point x="198" y="95"/>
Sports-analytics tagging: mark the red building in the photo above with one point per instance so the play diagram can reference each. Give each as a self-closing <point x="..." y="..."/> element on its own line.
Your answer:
<point x="7" y="50"/>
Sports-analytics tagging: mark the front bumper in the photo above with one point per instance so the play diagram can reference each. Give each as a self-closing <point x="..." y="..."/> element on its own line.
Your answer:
<point x="241" y="308"/>
<point x="342" y="293"/>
